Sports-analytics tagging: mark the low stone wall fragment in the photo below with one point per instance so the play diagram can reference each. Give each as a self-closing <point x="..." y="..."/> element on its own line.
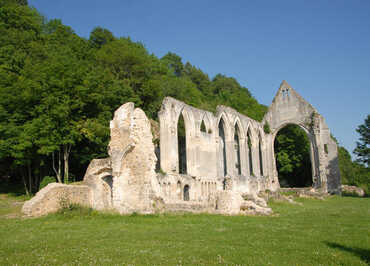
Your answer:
<point x="56" y="196"/>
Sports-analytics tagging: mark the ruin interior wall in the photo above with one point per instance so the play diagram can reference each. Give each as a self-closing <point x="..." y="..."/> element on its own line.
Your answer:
<point x="241" y="156"/>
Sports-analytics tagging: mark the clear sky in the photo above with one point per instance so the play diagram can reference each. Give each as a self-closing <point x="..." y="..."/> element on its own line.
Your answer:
<point x="321" y="47"/>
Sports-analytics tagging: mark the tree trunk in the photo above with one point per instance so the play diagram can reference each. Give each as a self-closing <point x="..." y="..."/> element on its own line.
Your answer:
<point x="29" y="177"/>
<point x="24" y="183"/>
<point x="39" y="178"/>
<point x="67" y="150"/>
<point x="59" y="170"/>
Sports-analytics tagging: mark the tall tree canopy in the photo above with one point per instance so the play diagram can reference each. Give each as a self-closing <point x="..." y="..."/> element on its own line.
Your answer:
<point x="58" y="92"/>
<point x="363" y="145"/>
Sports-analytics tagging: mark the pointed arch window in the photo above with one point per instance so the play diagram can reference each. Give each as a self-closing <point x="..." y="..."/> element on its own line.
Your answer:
<point x="203" y="127"/>
<point x="260" y="154"/>
<point x="250" y="159"/>
<point x="222" y="143"/>
<point x="181" y="141"/>
<point x="237" y="149"/>
<point x="186" y="193"/>
<point x="179" y="190"/>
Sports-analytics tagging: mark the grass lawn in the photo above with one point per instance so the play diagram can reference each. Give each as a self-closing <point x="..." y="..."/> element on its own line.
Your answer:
<point x="334" y="231"/>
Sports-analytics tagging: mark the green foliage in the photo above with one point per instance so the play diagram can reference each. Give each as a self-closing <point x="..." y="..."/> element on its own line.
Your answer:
<point x="363" y="145"/>
<point x="17" y="2"/>
<point x="162" y="172"/>
<point x="174" y="63"/>
<point x="353" y="173"/>
<point x="292" y="152"/>
<point x="46" y="181"/>
<point x="100" y="36"/>
<point x="266" y="128"/>
<point x="72" y="210"/>
<point x="58" y="92"/>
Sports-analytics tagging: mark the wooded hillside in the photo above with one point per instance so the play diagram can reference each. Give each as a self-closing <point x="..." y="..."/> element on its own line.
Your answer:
<point x="58" y="92"/>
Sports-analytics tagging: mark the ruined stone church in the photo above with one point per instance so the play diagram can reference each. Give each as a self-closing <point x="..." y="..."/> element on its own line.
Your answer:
<point x="219" y="165"/>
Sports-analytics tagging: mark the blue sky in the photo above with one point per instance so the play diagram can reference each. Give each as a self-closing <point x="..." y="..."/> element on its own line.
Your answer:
<point x="321" y="47"/>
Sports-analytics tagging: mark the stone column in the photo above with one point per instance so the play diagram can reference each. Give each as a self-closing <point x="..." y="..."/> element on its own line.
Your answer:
<point x="168" y="142"/>
<point x="243" y="157"/>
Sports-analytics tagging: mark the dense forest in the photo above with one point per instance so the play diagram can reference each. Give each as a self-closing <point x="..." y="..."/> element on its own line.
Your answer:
<point x="58" y="92"/>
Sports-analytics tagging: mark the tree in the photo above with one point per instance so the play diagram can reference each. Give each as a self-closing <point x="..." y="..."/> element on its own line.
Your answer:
<point x="58" y="92"/>
<point x="362" y="149"/>
<point x="353" y="173"/>
<point x="100" y="36"/>
<point x="18" y="2"/>
<point x="20" y="33"/>
<point x="174" y="63"/>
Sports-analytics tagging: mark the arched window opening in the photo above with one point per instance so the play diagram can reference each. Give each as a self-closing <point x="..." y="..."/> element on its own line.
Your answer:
<point x="222" y="143"/>
<point x="186" y="193"/>
<point x="179" y="190"/>
<point x="203" y="127"/>
<point x="249" y="142"/>
<point x="237" y="149"/>
<point x="292" y="154"/>
<point x="181" y="140"/>
<point x="286" y="93"/>
<point x="108" y="187"/>
<point x="260" y="154"/>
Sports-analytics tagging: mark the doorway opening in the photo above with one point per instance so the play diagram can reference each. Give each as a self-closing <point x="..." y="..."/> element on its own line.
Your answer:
<point x="292" y="155"/>
<point x="186" y="193"/>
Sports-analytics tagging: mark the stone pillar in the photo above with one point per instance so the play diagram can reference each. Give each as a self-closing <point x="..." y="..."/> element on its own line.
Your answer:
<point x="167" y="134"/>
<point x="230" y="160"/>
<point x="255" y="159"/>
<point x="243" y="157"/>
<point x="131" y="149"/>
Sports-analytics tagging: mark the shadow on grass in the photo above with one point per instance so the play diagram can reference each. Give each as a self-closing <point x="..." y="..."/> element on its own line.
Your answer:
<point x="364" y="254"/>
<point x="354" y="195"/>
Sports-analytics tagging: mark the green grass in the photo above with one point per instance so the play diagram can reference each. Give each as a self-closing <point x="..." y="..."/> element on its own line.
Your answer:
<point x="334" y="231"/>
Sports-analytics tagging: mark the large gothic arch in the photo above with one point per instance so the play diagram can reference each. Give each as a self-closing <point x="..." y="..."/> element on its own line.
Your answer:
<point x="288" y="107"/>
<point x="313" y="155"/>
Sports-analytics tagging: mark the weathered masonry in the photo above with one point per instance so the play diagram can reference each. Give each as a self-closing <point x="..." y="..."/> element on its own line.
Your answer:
<point x="229" y="150"/>
<point x="217" y="163"/>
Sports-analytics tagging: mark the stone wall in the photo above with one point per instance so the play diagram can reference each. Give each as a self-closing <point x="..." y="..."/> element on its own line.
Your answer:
<point x="135" y="186"/>
<point x="288" y="107"/>
<point x="204" y="150"/>
<point x="234" y="148"/>
<point x="56" y="196"/>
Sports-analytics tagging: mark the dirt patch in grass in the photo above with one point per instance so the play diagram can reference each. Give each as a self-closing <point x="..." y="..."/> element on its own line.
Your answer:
<point x="10" y="206"/>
